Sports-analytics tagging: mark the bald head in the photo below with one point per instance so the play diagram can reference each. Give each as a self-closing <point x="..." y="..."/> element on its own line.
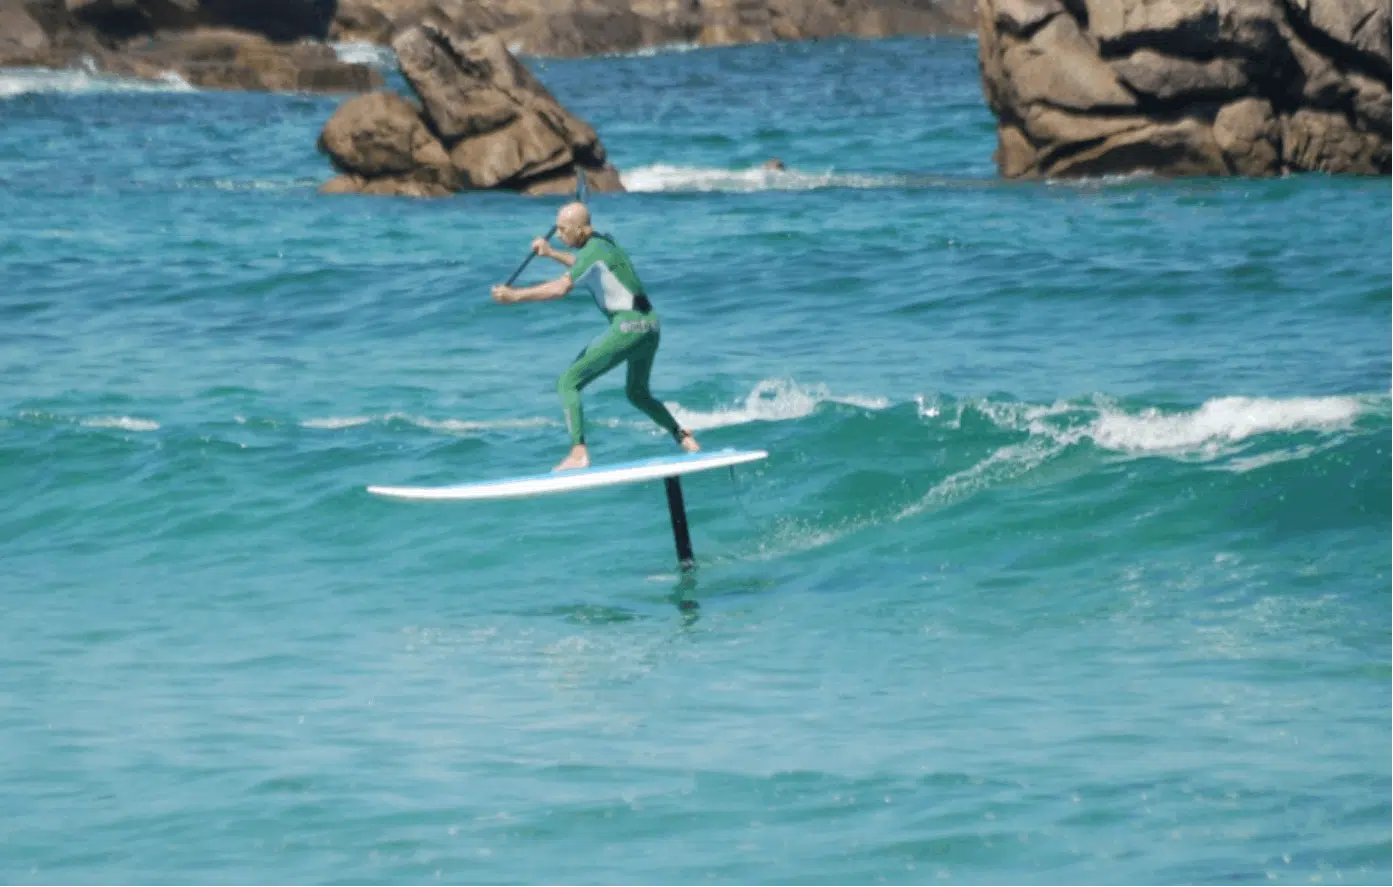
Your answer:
<point x="573" y="224"/>
<point x="573" y="215"/>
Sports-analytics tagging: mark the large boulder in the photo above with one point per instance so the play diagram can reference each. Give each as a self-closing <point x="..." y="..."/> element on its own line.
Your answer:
<point x="1187" y="87"/>
<point x="483" y="122"/>
<point x="380" y="143"/>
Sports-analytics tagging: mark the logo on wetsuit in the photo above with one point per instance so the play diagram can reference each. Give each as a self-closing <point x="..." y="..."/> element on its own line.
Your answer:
<point x="638" y="326"/>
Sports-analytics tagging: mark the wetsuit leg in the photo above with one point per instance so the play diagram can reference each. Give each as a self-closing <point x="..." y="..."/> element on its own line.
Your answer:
<point x="596" y="359"/>
<point x="636" y="386"/>
<point x="634" y="337"/>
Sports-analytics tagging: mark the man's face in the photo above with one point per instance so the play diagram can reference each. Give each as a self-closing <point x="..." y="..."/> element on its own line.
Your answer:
<point x="569" y="232"/>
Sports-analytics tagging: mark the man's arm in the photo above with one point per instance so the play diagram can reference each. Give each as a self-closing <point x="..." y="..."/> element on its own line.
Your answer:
<point x="544" y="249"/>
<point x="542" y="292"/>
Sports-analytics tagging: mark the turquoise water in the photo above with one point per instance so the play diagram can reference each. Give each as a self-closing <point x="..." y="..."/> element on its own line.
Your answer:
<point x="1070" y="561"/>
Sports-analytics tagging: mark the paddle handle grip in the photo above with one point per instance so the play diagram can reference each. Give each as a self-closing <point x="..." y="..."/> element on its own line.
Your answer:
<point x="530" y="255"/>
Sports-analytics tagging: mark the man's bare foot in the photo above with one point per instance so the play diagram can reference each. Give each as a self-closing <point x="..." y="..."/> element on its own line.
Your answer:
<point x="688" y="442"/>
<point x="578" y="458"/>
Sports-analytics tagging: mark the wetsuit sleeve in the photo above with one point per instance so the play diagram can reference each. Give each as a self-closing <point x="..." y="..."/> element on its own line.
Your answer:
<point x="585" y="260"/>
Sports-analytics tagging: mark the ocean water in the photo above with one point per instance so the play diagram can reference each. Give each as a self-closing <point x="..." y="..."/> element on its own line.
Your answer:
<point x="1070" y="561"/>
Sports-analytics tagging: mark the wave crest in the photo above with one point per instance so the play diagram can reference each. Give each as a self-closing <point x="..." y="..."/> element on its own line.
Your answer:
<point x="662" y="177"/>
<point x="78" y="81"/>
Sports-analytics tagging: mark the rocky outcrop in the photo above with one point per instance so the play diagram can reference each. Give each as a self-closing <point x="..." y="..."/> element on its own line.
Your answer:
<point x="60" y="33"/>
<point x="483" y="121"/>
<point x="225" y="44"/>
<point x="218" y="58"/>
<point x="743" y="21"/>
<point x="587" y="27"/>
<point x="383" y="145"/>
<point x="1187" y="87"/>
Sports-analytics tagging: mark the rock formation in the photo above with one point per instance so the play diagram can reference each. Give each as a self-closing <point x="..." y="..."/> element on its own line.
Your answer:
<point x="587" y="27"/>
<point x="483" y="121"/>
<point x="222" y="58"/>
<point x="228" y="44"/>
<point x="1187" y="87"/>
<point x="260" y="44"/>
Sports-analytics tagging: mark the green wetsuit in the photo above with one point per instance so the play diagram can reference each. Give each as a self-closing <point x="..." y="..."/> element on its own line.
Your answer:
<point x="604" y="269"/>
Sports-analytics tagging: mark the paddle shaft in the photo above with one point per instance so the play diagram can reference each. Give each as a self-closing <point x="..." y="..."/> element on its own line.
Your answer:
<point x="582" y="187"/>
<point x="529" y="258"/>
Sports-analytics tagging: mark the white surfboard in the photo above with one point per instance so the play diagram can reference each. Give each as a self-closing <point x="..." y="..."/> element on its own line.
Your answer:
<point x="583" y="479"/>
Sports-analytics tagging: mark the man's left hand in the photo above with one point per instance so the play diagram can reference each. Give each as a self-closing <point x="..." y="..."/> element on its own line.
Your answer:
<point x="503" y="295"/>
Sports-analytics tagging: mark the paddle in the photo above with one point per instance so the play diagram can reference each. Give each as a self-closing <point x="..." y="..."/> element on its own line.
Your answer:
<point x="581" y="188"/>
<point x="550" y="231"/>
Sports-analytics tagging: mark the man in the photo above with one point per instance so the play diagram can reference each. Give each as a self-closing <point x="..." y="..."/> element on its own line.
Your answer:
<point x="604" y="269"/>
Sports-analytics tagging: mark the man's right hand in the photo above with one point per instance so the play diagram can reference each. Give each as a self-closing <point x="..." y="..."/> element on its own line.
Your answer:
<point x="541" y="247"/>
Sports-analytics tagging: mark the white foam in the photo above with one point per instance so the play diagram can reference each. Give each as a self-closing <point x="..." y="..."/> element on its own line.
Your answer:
<point x="785" y="536"/>
<point x="1215" y="430"/>
<point x="260" y="185"/>
<point x="463" y="426"/>
<point x="772" y="400"/>
<point x="175" y="82"/>
<point x="125" y="423"/>
<point x="1262" y="460"/>
<point x="651" y="51"/>
<point x="333" y="423"/>
<point x="1002" y="465"/>
<point x="76" y="81"/>
<point x="1218" y="422"/>
<point x="1217" y="427"/>
<point x="661" y="177"/>
<point x="361" y="52"/>
<point x="1112" y="178"/>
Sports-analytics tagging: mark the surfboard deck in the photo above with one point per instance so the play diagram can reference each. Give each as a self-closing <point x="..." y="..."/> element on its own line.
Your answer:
<point x="582" y="479"/>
